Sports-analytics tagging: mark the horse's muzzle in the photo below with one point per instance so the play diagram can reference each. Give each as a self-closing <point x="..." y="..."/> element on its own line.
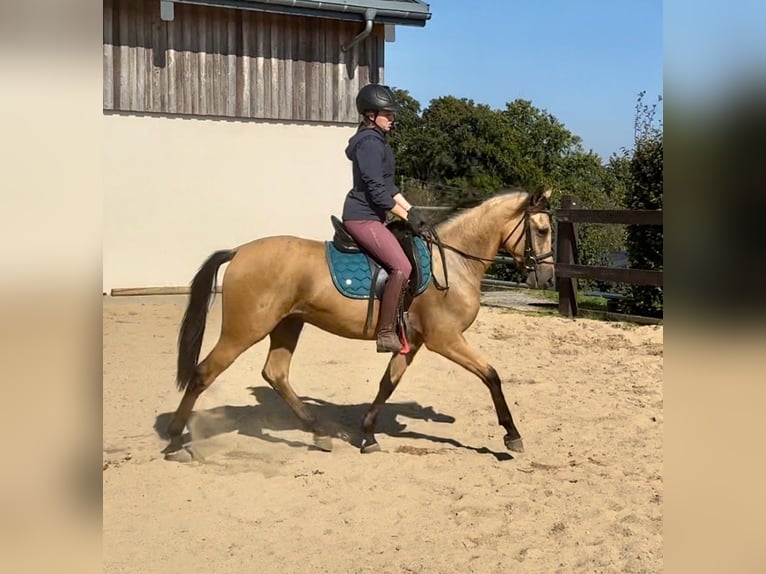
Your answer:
<point x="542" y="276"/>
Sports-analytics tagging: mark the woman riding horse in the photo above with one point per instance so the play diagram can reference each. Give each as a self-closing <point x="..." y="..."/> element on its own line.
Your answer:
<point x="372" y="197"/>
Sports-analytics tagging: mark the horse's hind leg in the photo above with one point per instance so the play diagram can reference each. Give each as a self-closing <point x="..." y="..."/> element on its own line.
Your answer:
<point x="458" y="350"/>
<point x="226" y="350"/>
<point x="276" y="371"/>
<point x="393" y="374"/>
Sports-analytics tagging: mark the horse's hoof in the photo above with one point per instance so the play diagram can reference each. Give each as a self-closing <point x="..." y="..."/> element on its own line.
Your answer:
<point x="369" y="445"/>
<point x="323" y="442"/>
<point x="182" y="455"/>
<point x="174" y="445"/>
<point x="174" y="431"/>
<point x="513" y="444"/>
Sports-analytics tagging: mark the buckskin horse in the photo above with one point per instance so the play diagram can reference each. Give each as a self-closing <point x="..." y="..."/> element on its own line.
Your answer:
<point x="274" y="285"/>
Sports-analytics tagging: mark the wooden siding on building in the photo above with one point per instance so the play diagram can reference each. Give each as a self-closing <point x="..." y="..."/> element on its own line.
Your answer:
<point x="234" y="63"/>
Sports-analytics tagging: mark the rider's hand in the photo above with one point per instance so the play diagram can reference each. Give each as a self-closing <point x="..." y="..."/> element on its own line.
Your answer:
<point x="416" y="220"/>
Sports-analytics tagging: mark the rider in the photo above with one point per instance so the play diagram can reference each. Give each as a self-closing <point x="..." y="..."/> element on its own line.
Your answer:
<point x="372" y="197"/>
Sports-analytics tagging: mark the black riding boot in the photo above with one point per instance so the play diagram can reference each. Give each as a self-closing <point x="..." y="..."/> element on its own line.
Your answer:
<point x="387" y="339"/>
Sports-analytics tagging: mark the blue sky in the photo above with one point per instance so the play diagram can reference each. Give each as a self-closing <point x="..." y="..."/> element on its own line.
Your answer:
<point x="583" y="61"/>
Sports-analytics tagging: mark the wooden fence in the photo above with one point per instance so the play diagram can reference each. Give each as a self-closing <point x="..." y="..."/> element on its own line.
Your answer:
<point x="567" y="268"/>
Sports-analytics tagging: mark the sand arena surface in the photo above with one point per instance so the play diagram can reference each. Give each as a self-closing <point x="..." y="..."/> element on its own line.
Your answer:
<point x="442" y="496"/>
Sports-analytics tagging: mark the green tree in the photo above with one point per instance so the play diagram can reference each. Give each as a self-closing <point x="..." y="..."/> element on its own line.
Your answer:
<point x="406" y="137"/>
<point x="539" y="145"/>
<point x="644" y="242"/>
<point x="456" y="149"/>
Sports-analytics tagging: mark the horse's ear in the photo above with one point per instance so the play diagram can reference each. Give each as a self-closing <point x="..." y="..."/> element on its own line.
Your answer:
<point x="540" y="197"/>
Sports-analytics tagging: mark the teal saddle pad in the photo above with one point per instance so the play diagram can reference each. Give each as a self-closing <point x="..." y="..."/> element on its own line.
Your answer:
<point x="352" y="275"/>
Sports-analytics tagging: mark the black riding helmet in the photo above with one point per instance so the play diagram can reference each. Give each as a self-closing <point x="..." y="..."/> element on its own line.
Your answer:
<point x="376" y="98"/>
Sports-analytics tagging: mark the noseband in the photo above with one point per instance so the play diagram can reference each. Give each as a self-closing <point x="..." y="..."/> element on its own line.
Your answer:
<point x="529" y="261"/>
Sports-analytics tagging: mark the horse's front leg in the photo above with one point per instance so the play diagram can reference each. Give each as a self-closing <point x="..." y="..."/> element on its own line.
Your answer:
<point x="394" y="372"/>
<point x="458" y="350"/>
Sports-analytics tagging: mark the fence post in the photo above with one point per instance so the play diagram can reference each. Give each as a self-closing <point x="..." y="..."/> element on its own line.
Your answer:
<point x="566" y="249"/>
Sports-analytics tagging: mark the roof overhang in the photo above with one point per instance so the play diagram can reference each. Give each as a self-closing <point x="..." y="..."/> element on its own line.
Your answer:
<point x="398" y="12"/>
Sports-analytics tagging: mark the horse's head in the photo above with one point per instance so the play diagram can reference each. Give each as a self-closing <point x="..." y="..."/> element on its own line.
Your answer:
<point x="530" y="240"/>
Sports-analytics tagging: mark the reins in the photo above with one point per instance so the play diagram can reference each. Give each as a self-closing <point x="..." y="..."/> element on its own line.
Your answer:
<point x="431" y="237"/>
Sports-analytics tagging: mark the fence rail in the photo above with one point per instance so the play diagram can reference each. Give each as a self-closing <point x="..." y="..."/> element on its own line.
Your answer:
<point x="610" y="274"/>
<point x="567" y="268"/>
<point x="620" y="216"/>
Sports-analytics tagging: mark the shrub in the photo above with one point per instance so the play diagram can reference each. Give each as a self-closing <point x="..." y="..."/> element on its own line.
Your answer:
<point x="644" y="242"/>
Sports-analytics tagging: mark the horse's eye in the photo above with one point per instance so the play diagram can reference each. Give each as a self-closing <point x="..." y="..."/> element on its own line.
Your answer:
<point x="543" y="231"/>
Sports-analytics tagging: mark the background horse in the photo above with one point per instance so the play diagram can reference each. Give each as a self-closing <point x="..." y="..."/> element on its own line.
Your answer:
<point x="274" y="285"/>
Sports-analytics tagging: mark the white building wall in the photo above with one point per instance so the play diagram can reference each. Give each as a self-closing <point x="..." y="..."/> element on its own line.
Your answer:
<point x="177" y="189"/>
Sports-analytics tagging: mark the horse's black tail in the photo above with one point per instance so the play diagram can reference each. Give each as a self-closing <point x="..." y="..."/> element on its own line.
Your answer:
<point x="193" y="324"/>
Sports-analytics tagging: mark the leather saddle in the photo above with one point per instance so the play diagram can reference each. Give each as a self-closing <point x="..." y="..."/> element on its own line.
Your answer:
<point x="344" y="242"/>
<point x="342" y="239"/>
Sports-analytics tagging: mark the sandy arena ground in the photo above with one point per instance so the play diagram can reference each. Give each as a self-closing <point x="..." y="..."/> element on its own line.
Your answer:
<point x="442" y="496"/>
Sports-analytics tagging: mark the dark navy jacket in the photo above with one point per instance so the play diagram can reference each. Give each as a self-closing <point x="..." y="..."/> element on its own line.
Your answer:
<point x="373" y="170"/>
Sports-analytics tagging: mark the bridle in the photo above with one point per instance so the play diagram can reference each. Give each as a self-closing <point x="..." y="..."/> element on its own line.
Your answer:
<point x="529" y="261"/>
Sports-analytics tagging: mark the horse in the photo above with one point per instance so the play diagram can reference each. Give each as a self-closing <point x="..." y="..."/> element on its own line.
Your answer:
<point x="274" y="285"/>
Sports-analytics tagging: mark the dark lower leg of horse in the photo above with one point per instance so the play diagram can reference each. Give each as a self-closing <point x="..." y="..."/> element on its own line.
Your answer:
<point x="460" y="352"/>
<point x="217" y="361"/>
<point x="512" y="438"/>
<point x="276" y="371"/>
<point x="393" y="374"/>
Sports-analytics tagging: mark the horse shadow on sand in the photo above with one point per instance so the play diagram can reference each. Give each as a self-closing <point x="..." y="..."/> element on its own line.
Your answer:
<point x="341" y="421"/>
